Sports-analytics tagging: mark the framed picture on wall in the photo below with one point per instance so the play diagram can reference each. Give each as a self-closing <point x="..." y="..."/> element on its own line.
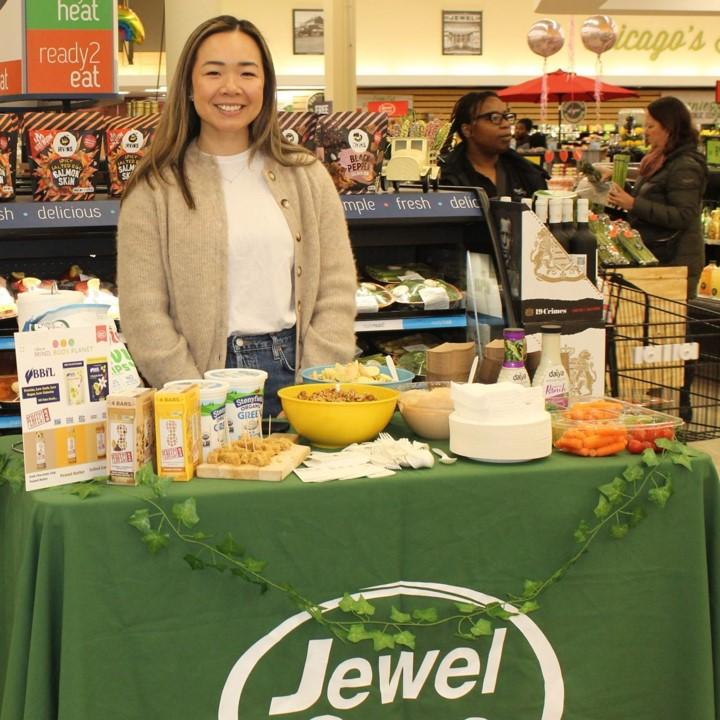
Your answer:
<point x="461" y="32"/>
<point x="308" y="32"/>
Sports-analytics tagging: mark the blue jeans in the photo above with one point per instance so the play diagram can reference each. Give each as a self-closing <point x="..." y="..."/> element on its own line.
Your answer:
<point x="274" y="353"/>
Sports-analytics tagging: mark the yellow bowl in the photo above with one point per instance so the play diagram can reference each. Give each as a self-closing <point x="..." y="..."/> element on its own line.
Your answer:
<point x="337" y="424"/>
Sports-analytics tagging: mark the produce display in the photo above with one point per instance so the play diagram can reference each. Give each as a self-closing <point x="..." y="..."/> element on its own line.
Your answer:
<point x="415" y="292"/>
<point x="398" y="273"/>
<point x="598" y="427"/>
<point x="381" y="295"/>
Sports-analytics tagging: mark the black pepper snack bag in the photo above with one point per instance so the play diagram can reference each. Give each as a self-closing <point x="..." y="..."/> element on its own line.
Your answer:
<point x="351" y="145"/>
<point x="126" y="142"/>
<point x="64" y="150"/>
<point x="8" y="154"/>
<point x="299" y="128"/>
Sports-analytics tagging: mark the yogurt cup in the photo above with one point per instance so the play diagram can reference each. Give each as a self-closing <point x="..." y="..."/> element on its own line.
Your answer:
<point x="244" y="401"/>
<point x="213" y="394"/>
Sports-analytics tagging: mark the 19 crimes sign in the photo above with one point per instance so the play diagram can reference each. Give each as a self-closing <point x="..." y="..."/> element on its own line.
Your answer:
<point x="70" y="47"/>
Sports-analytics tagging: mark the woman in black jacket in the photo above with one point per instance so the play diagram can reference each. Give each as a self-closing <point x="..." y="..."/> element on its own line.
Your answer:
<point x="483" y="157"/>
<point x="666" y="202"/>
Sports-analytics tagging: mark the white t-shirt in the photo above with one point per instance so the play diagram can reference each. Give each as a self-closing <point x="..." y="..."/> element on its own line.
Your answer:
<point x="260" y="250"/>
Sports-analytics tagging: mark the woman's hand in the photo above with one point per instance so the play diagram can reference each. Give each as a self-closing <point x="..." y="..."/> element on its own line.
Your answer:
<point x="619" y="198"/>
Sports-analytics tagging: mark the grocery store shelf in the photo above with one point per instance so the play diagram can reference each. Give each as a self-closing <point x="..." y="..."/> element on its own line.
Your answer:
<point x="409" y="207"/>
<point x="26" y="215"/>
<point x="10" y="422"/>
<point x="425" y="322"/>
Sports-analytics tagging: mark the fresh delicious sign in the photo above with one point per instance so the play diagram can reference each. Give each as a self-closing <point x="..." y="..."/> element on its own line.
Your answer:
<point x="71" y="47"/>
<point x="11" y="47"/>
<point x="286" y="672"/>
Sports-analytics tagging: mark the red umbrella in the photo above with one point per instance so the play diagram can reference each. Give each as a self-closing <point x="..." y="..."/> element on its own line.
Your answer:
<point x="563" y="86"/>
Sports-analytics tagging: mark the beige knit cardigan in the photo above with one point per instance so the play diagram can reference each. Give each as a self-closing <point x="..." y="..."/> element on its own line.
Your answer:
<point x="173" y="279"/>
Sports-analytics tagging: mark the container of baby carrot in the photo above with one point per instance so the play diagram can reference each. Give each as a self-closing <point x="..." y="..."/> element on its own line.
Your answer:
<point x="603" y="426"/>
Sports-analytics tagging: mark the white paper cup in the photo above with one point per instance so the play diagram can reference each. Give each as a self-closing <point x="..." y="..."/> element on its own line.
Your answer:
<point x="213" y="394"/>
<point x="244" y="402"/>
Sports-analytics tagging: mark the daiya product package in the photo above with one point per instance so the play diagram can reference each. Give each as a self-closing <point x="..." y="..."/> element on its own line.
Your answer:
<point x="130" y="434"/>
<point x="177" y="431"/>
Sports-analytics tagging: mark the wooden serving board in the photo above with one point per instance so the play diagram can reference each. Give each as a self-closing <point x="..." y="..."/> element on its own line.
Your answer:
<point x="279" y="468"/>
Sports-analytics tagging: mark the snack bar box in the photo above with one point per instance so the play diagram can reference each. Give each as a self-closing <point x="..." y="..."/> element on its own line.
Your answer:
<point x="177" y="432"/>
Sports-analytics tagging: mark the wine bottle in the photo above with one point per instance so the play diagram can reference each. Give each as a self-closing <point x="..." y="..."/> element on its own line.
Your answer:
<point x="556" y="225"/>
<point x="583" y="243"/>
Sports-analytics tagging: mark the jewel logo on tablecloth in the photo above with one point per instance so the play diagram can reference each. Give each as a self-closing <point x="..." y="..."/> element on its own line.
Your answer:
<point x="288" y="672"/>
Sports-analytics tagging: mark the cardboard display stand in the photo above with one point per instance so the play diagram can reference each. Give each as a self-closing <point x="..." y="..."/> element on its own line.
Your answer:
<point x="547" y="286"/>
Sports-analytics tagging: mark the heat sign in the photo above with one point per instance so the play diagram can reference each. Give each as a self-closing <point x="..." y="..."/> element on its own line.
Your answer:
<point x="71" y="47"/>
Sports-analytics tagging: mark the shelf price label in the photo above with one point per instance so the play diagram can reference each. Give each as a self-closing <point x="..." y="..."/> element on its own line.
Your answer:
<point x="71" y="47"/>
<point x="11" y="47"/>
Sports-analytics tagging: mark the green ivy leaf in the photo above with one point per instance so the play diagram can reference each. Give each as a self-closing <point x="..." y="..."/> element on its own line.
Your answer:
<point x="405" y="638"/>
<point x="530" y="588"/>
<point x="619" y="531"/>
<point x="85" y="490"/>
<point x="186" y="512"/>
<point x="229" y="547"/>
<point x="428" y="615"/>
<point x="199" y="535"/>
<point x="481" y="628"/>
<point x="496" y="610"/>
<point x="255" y="566"/>
<point x="219" y="566"/>
<point x="357" y="633"/>
<point x="360" y="606"/>
<point x="12" y="472"/>
<point x="464" y="635"/>
<point x="660" y="495"/>
<point x="682" y="459"/>
<point x="346" y="604"/>
<point x="603" y="508"/>
<point x="363" y="607"/>
<point x="614" y="490"/>
<point x="397" y="616"/>
<point x="529" y="606"/>
<point x="633" y="473"/>
<point x="162" y="485"/>
<point x="650" y="458"/>
<point x="194" y="562"/>
<point x="140" y="519"/>
<point x="673" y="446"/>
<point x="637" y="515"/>
<point x="582" y="533"/>
<point x="382" y="640"/>
<point x="155" y="540"/>
<point x="467" y="608"/>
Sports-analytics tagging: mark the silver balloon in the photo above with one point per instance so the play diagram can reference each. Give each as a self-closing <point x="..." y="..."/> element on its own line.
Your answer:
<point x="598" y="33"/>
<point x="545" y="38"/>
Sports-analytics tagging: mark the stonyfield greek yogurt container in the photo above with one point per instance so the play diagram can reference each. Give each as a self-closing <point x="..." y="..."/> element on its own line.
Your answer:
<point x="244" y="401"/>
<point x="213" y="394"/>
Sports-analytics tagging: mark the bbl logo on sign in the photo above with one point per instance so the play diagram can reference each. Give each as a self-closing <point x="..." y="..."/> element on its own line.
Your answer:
<point x="296" y="668"/>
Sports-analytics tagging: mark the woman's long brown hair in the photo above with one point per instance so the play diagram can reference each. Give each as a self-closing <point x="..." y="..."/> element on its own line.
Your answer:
<point x="180" y="123"/>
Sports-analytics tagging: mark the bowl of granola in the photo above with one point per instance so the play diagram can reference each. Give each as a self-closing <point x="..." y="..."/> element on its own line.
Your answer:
<point x="336" y="415"/>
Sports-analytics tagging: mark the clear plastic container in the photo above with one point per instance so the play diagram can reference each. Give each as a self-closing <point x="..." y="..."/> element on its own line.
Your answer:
<point x="603" y="426"/>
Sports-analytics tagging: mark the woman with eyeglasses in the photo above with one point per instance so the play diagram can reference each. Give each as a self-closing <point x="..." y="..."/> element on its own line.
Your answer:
<point x="482" y="157"/>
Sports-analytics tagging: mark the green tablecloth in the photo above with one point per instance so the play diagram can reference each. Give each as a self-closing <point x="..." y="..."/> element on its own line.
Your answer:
<point x="95" y="628"/>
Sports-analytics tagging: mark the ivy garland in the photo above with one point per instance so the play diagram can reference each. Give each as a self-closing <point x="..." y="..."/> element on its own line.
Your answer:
<point x="621" y="504"/>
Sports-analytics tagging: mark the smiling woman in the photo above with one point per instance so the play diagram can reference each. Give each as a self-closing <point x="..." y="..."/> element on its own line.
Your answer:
<point x="233" y="249"/>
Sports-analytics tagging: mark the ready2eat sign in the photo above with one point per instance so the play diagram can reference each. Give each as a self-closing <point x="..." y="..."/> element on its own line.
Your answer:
<point x="11" y="47"/>
<point x="297" y="671"/>
<point x="71" y="47"/>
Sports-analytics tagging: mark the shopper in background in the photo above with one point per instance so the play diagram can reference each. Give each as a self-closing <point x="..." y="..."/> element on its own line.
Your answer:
<point x="666" y="202"/>
<point x="525" y="138"/>
<point x="482" y="157"/>
<point x="233" y="249"/>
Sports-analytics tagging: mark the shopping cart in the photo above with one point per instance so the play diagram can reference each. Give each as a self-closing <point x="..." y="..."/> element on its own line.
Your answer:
<point x="664" y="354"/>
